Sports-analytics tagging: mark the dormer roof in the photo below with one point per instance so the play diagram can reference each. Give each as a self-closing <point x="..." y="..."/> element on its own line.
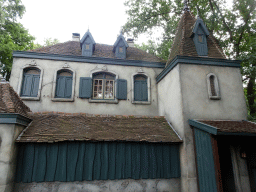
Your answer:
<point x="85" y="36"/>
<point x="120" y="38"/>
<point x="199" y="23"/>
<point x="183" y="43"/>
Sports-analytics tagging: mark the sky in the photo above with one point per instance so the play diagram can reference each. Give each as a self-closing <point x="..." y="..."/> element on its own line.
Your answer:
<point x="60" y="18"/>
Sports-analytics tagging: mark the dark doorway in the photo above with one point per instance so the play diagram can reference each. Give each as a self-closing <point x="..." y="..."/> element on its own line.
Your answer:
<point x="227" y="175"/>
<point x="249" y="147"/>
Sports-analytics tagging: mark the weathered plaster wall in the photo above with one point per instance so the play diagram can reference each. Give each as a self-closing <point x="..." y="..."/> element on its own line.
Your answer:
<point x="124" y="107"/>
<point x="8" y="152"/>
<point x="170" y="106"/>
<point x="149" y="185"/>
<point x="197" y="105"/>
<point x="183" y="95"/>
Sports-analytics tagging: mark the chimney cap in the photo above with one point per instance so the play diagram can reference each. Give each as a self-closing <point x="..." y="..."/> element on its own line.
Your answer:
<point x="76" y="34"/>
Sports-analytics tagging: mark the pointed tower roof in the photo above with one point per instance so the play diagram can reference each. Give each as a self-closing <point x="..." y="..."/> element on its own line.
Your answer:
<point x="183" y="43"/>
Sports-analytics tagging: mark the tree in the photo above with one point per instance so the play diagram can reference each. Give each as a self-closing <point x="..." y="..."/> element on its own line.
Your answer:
<point x="47" y="42"/>
<point x="233" y="24"/>
<point x="13" y="36"/>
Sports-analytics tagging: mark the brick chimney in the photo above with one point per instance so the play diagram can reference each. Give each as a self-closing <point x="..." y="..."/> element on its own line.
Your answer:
<point x="130" y="42"/>
<point x="76" y="37"/>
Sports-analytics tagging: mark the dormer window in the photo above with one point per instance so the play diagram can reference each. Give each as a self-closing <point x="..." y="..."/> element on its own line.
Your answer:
<point x="120" y="47"/>
<point x="200" y="38"/>
<point x="199" y="35"/>
<point x="87" y="44"/>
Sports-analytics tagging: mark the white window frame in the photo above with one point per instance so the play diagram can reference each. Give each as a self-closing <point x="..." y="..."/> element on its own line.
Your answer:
<point x="39" y="86"/>
<point x="148" y="102"/>
<point x="216" y="86"/>
<point x="55" y="84"/>
<point x="115" y="100"/>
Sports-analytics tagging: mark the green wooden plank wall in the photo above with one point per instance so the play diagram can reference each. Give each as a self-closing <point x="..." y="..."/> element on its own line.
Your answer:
<point x="205" y="161"/>
<point x="78" y="161"/>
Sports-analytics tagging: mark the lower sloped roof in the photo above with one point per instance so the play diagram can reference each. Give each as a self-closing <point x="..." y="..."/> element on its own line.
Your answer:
<point x="10" y="102"/>
<point x="55" y="127"/>
<point x="226" y="127"/>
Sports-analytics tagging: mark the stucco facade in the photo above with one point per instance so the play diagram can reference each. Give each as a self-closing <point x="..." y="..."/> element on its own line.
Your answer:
<point x="49" y="70"/>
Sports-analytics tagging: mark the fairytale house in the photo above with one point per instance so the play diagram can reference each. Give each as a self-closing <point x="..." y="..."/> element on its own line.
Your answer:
<point x="94" y="117"/>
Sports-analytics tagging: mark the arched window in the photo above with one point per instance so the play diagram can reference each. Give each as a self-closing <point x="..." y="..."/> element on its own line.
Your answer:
<point x="213" y="86"/>
<point x="64" y="83"/>
<point x="30" y="82"/>
<point x="103" y="86"/>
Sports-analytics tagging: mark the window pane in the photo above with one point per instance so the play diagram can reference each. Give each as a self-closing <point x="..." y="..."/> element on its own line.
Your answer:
<point x="109" y="90"/>
<point x="200" y="38"/>
<point x="97" y="89"/>
<point x="213" y="91"/>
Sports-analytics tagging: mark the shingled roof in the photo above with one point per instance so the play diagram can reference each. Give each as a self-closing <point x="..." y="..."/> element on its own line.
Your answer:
<point x="183" y="43"/>
<point x="10" y="102"/>
<point x="55" y="127"/>
<point x="232" y="126"/>
<point x="101" y="50"/>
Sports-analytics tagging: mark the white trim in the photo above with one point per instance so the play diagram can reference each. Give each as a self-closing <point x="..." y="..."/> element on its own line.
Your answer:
<point x="54" y="85"/>
<point x="104" y="70"/>
<point x="216" y="86"/>
<point x="21" y="80"/>
<point x="148" y="102"/>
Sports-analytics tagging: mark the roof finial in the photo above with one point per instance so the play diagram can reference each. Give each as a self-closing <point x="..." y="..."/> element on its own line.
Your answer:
<point x="186" y="8"/>
<point x="197" y="9"/>
<point x="88" y="29"/>
<point x="121" y="31"/>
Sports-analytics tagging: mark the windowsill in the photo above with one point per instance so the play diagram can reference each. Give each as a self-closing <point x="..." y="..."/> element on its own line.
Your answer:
<point x="141" y="102"/>
<point x="214" y="97"/>
<point x="62" y="99"/>
<point x="30" y="98"/>
<point x="113" y="101"/>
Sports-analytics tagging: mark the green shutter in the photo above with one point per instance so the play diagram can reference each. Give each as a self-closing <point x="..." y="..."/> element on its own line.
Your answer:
<point x="64" y="87"/>
<point x="85" y="87"/>
<point x="144" y="91"/>
<point x="26" y="85"/>
<point x="60" y="87"/>
<point x="121" y="89"/>
<point x="35" y="85"/>
<point x="140" y="90"/>
<point x="68" y="87"/>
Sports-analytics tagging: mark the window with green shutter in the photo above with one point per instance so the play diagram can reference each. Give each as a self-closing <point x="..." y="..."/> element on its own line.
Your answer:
<point x="140" y="88"/>
<point x="30" y="82"/>
<point x="64" y="84"/>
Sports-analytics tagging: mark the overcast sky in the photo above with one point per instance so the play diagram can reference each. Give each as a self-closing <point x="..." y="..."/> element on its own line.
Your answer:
<point x="60" y="18"/>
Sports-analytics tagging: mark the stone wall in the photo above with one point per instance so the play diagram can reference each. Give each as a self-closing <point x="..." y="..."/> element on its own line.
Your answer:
<point x="149" y="185"/>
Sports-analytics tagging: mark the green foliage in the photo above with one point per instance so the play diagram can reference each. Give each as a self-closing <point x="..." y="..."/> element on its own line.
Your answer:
<point x="47" y="42"/>
<point x="13" y="36"/>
